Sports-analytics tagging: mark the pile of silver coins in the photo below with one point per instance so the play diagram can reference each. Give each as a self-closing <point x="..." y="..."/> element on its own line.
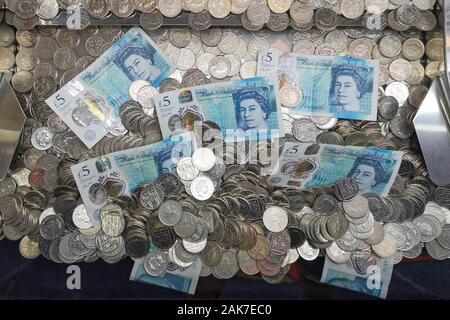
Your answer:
<point x="219" y="207"/>
<point x="277" y="15"/>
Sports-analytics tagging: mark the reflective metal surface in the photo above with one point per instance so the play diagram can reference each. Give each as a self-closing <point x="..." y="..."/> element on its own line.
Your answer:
<point x="446" y="27"/>
<point x="12" y="121"/>
<point x="432" y="127"/>
<point x="232" y="20"/>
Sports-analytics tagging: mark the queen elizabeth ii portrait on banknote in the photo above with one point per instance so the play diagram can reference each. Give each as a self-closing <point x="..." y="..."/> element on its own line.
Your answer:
<point x="367" y="173"/>
<point x="138" y="63"/>
<point x="252" y="109"/>
<point x="165" y="162"/>
<point x="348" y="87"/>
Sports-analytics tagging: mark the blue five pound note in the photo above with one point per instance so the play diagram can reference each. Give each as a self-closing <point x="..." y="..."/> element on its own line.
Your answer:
<point x="339" y="87"/>
<point x="119" y="173"/>
<point x="89" y="104"/>
<point x="305" y="166"/>
<point x="244" y="109"/>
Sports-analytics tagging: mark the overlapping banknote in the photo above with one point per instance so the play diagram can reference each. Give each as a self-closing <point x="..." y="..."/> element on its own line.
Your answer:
<point x="243" y="109"/>
<point x="374" y="280"/>
<point x="303" y="166"/>
<point x="119" y="173"/>
<point x="89" y="104"/>
<point x="339" y="87"/>
<point x="176" y="278"/>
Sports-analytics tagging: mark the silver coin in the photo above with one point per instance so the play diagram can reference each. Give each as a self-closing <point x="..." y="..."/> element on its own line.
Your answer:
<point x="290" y="96"/>
<point x="275" y="219"/>
<point x="26" y="9"/>
<point x="28" y="38"/>
<point x="7" y="58"/>
<point x="6" y="35"/>
<point x="146" y="6"/>
<point x="94" y="44"/>
<point x="42" y="138"/>
<point x="67" y="38"/>
<point x="151" y="197"/>
<point x="46" y="47"/>
<point x="219" y="67"/>
<point x="26" y="60"/>
<point x="304" y="130"/>
<point x="184" y="58"/>
<point x="228" y="266"/>
<point x="187" y="225"/>
<point x="52" y="227"/>
<point x="229" y="42"/>
<point x="278" y="22"/>
<point x="390" y="46"/>
<point x="219" y="8"/>
<point x="180" y="37"/>
<point x="195" y="6"/>
<point x="170" y="212"/>
<point x="151" y="21"/>
<point x="122" y="8"/>
<point x="337" y="255"/>
<point x="352" y="9"/>
<point x="436" y="251"/>
<point x="307" y="252"/>
<point x="98" y="9"/>
<point x="401" y="127"/>
<point x="135" y="87"/>
<point x="48" y="9"/>
<point x="408" y="15"/>
<point x="211" y="37"/>
<point x="113" y="223"/>
<point x="413" y="49"/>
<point x="186" y="169"/>
<point x="248" y="69"/>
<point x="80" y="217"/>
<point x="361" y="48"/>
<point x="348" y="242"/>
<point x="194" y="247"/>
<point x="427" y="21"/>
<point x="357" y="207"/>
<point x="202" y="188"/>
<point x="65" y="58"/>
<point x="24" y="24"/>
<point x="170" y="8"/>
<point x="203" y="159"/>
<point x="97" y="193"/>
<point x="399" y="69"/>
<point x="388" y="107"/>
<point x="156" y="262"/>
<point x="301" y="12"/>
<point x="399" y="91"/>
<point x="45" y="70"/>
<point x="203" y="62"/>
<point x="385" y="248"/>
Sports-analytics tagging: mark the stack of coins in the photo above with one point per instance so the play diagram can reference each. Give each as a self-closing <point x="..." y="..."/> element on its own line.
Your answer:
<point x="277" y="15"/>
<point x="218" y="205"/>
<point x="7" y="56"/>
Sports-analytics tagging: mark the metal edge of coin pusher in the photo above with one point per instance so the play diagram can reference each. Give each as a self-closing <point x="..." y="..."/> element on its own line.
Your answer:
<point x="232" y="20"/>
<point x="446" y="10"/>
<point x="12" y="120"/>
<point x="433" y="131"/>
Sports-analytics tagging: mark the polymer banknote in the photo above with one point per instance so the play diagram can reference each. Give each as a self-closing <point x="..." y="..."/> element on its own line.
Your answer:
<point x="109" y="176"/>
<point x="176" y="278"/>
<point x="374" y="280"/>
<point x="89" y="104"/>
<point x="245" y="109"/>
<point x="339" y="87"/>
<point x="304" y="165"/>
